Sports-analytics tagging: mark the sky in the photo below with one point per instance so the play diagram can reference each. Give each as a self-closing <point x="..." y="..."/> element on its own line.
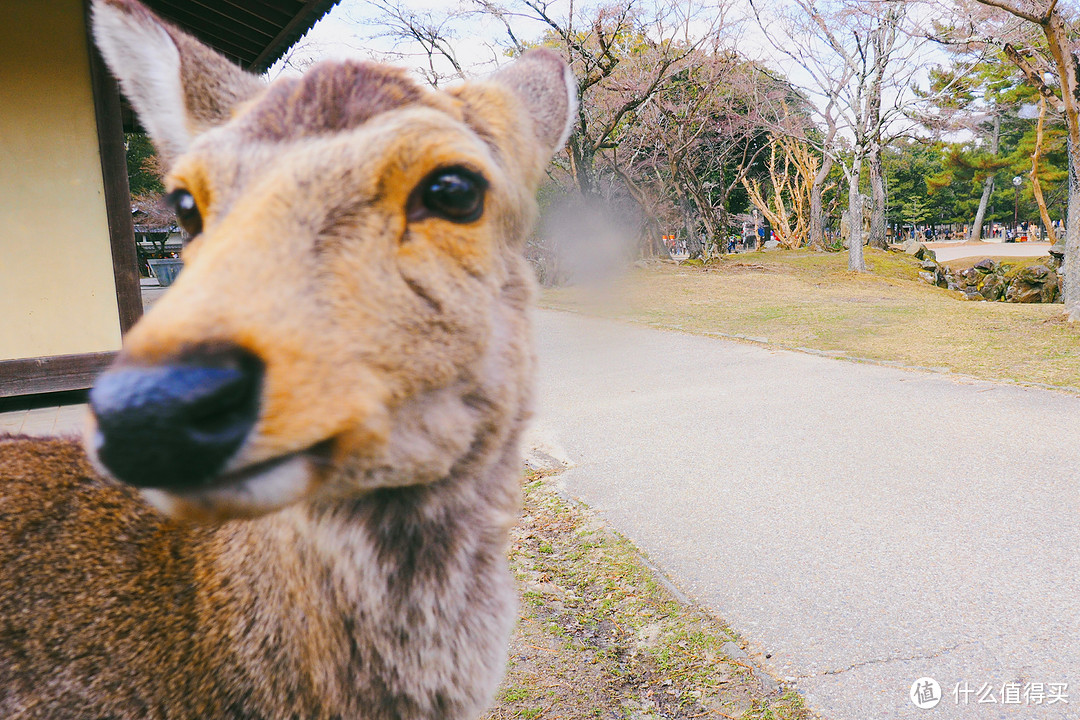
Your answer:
<point x="348" y="31"/>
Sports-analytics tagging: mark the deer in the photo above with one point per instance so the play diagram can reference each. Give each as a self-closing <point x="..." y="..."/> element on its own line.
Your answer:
<point x="295" y="489"/>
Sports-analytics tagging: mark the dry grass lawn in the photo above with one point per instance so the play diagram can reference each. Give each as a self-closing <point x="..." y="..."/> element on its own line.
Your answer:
<point x="802" y="299"/>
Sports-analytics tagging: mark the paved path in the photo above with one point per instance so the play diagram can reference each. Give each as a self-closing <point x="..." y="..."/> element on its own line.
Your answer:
<point x="47" y="420"/>
<point x="951" y="251"/>
<point x="863" y="525"/>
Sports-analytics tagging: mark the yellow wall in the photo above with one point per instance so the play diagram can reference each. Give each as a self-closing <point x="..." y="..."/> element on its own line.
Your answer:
<point x="57" y="294"/>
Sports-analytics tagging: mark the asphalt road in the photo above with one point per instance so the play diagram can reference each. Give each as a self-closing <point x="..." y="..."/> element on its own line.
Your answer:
<point x="860" y="526"/>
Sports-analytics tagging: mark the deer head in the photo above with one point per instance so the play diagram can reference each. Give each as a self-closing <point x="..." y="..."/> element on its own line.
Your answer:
<point x="352" y="312"/>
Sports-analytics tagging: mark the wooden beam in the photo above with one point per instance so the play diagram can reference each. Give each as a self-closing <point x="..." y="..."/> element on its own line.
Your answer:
<point x="220" y="32"/>
<point x="302" y="22"/>
<point x="110" y="131"/>
<point x="212" y="11"/>
<point x="51" y="374"/>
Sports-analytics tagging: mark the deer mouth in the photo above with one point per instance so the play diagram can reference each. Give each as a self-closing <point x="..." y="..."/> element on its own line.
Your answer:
<point x="249" y="491"/>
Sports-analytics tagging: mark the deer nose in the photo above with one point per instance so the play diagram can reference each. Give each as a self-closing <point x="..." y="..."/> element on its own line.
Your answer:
<point x="175" y="426"/>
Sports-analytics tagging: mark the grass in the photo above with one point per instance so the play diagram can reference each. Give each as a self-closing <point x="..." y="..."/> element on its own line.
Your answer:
<point x="802" y="299"/>
<point x="600" y="637"/>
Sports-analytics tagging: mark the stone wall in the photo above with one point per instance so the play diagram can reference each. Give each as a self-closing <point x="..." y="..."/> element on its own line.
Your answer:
<point x="992" y="281"/>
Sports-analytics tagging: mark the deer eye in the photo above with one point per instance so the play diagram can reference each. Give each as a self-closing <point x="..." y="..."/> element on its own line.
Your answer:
<point x="455" y="194"/>
<point x="187" y="211"/>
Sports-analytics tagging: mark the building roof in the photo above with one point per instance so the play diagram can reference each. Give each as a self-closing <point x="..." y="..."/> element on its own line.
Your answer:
<point x="254" y="33"/>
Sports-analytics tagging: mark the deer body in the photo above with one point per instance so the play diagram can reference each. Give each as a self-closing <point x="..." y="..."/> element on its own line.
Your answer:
<point x="397" y="606"/>
<point x="302" y="469"/>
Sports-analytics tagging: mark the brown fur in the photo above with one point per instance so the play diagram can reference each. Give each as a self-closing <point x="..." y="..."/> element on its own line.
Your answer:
<point x="370" y="579"/>
<point x="331" y="97"/>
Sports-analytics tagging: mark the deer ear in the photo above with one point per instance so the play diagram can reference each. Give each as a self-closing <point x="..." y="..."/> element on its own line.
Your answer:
<point x="178" y="86"/>
<point x="544" y="85"/>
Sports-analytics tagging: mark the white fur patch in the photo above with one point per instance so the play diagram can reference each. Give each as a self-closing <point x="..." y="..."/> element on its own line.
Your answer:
<point x="161" y="501"/>
<point x="571" y="106"/>
<point x="144" y="58"/>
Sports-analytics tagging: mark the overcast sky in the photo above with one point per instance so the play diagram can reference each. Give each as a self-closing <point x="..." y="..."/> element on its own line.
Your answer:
<point x="349" y="30"/>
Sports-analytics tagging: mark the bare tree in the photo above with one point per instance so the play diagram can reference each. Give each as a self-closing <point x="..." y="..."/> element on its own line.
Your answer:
<point x="696" y="139"/>
<point x="621" y="54"/>
<point x="859" y="58"/>
<point x="428" y="35"/>
<point x="791" y="177"/>
<point x="817" y="186"/>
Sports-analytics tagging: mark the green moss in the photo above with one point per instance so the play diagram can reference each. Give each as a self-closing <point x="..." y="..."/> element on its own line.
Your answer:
<point x="514" y="694"/>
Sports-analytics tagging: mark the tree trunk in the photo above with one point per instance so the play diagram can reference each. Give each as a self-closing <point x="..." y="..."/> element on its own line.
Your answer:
<point x="856" y="263"/>
<point x="988" y="187"/>
<point x="1036" y="186"/>
<point x="694" y="246"/>
<point x="817" y="212"/>
<point x="1071" y="278"/>
<point x="1058" y="41"/>
<point x="584" y="165"/>
<point x="711" y="233"/>
<point x="706" y="214"/>
<point x="980" y="215"/>
<point x="723" y="220"/>
<point x="877" y="194"/>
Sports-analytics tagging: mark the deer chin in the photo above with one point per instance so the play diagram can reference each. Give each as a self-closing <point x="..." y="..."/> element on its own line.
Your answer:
<point x="247" y="492"/>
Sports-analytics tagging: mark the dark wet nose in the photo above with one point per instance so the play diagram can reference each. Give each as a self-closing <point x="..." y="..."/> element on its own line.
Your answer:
<point x="175" y="426"/>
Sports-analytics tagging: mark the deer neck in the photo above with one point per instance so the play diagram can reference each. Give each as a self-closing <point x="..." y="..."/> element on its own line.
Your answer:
<point x="403" y="592"/>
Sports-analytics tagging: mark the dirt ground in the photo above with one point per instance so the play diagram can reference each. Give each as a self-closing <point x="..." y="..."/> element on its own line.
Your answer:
<point x="600" y="636"/>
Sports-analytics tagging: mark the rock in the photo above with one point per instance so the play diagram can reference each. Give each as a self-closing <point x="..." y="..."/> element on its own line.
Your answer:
<point x="986" y="265"/>
<point x="771" y="244"/>
<point x="1050" y="287"/>
<point x="928" y="265"/>
<point x="970" y="277"/>
<point x="1034" y="274"/>
<point x="952" y="285"/>
<point x="992" y="287"/>
<point x="911" y="247"/>
<point x="926" y="254"/>
<point x="1022" y="292"/>
<point x="1057" y="250"/>
<point x="973" y="295"/>
<point x="927" y="277"/>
